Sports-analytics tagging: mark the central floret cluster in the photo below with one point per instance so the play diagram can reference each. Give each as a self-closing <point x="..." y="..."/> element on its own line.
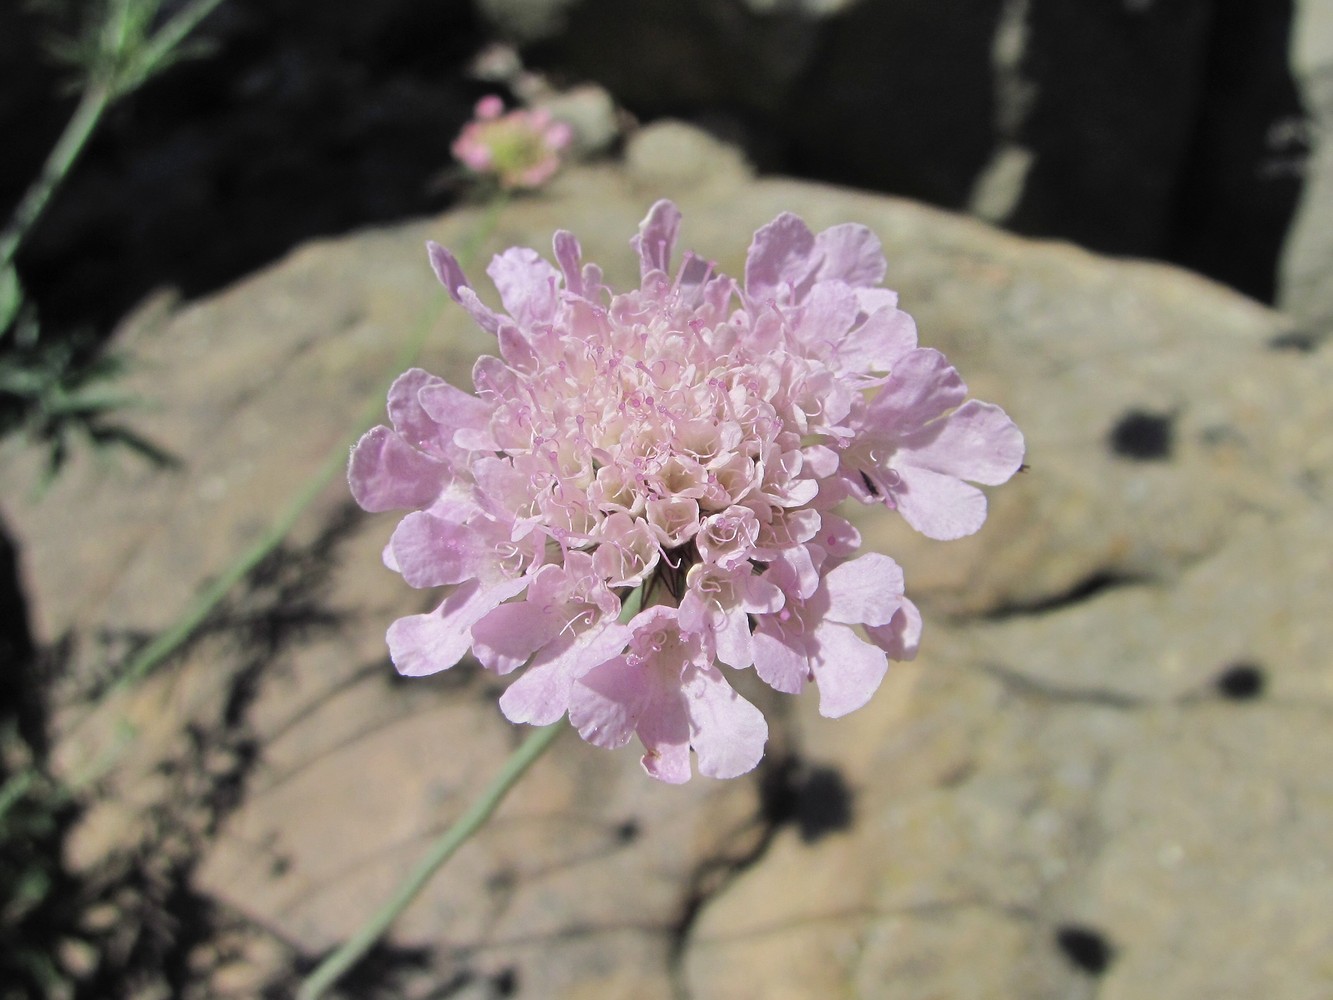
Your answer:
<point x="677" y="451"/>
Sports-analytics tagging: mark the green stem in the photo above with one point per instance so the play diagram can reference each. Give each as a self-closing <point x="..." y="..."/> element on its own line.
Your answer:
<point x="173" y="33"/>
<point x="332" y="968"/>
<point x="101" y="89"/>
<point x="92" y="104"/>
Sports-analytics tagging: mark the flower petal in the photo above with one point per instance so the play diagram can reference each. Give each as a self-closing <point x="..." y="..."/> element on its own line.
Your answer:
<point x="606" y="702"/>
<point x="938" y="505"/>
<point x="868" y="590"/>
<point x="527" y="284"/>
<point x="977" y="442"/>
<point x="851" y="253"/>
<point x="921" y="386"/>
<point x="847" y="670"/>
<point x="782" y="253"/>
<point x="781" y="661"/>
<point x="657" y="237"/>
<point x="727" y="732"/>
<point x="541" y="695"/>
<point x="387" y="473"/>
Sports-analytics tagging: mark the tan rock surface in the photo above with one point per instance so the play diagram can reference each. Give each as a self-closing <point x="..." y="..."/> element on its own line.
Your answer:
<point x="1057" y="763"/>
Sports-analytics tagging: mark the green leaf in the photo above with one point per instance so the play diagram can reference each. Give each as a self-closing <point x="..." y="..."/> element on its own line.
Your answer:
<point x="11" y="296"/>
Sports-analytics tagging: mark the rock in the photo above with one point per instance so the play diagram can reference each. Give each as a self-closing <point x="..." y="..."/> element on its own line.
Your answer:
<point x="1305" y="151"/>
<point x="1097" y="776"/>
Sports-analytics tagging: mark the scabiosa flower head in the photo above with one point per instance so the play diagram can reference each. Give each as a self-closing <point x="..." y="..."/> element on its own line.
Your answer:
<point x="682" y="445"/>
<point x="520" y="149"/>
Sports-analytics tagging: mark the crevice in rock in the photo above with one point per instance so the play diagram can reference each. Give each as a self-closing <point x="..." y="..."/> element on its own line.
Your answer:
<point x="1026" y="686"/>
<point x="781" y="780"/>
<point x="1089" y="587"/>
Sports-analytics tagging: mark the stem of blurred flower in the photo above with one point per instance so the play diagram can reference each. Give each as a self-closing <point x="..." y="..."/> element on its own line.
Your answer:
<point x="354" y="949"/>
<point x="105" y="83"/>
<point x="332" y="968"/>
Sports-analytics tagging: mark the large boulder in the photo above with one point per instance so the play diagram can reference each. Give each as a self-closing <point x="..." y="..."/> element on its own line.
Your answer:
<point x="1100" y="775"/>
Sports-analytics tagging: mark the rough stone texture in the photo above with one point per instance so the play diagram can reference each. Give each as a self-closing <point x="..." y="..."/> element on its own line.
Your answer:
<point x="1069" y="794"/>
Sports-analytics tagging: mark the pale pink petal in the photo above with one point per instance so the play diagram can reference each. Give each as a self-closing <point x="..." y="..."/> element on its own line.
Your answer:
<point x="939" y="506"/>
<point x="922" y="386"/>
<point x="410" y="419"/>
<point x="851" y="253"/>
<point x="664" y="730"/>
<point x="451" y="276"/>
<point x="727" y="732"/>
<point x="735" y="645"/>
<point x="387" y="473"/>
<point x="781" y="661"/>
<point x="977" y="442"/>
<point x="847" y="670"/>
<point x="426" y="644"/>
<point x="782" y="253"/>
<point x="867" y="590"/>
<point x="826" y="315"/>
<point x="452" y="408"/>
<point x="657" y="237"/>
<point x="527" y="284"/>
<point x="607" y="701"/>
<point x="541" y="695"/>
<point x="878" y="343"/>
<point x="901" y="638"/>
<point x="430" y="551"/>
<point x="568" y="255"/>
<point x="509" y="635"/>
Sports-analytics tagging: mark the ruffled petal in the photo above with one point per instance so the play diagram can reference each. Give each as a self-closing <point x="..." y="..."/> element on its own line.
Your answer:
<point x="430" y="551"/>
<point x="851" y="253"/>
<point x="921" y="386"/>
<point x="866" y="590"/>
<point x="664" y="730"/>
<point x="528" y="285"/>
<point x="901" y="638"/>
<point x="727" y="732"/>
<point x="387" y="473"/>
<point x="426" y="644"/>
<point x="657" y="238"/>
<point x="847" y="670"/>
<point x="937" y="505"/>
<point x="781" y="661"/>
<point x="782" y="253"/>
<point x="977" y="442"/>
<point x="447" y="269"/>
<point x="541" y="695"/>
<point x="607" y="702"/>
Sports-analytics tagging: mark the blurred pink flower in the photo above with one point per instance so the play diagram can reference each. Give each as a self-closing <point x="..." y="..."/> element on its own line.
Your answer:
<point x="690" y="439"/>
<point x="520" y="149"/>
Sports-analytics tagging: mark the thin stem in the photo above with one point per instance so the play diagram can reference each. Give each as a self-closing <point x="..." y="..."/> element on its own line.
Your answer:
<point x="92" y="104"/>
<point x="332" y="968"/>
<point x="173" y="33"/>
<point x="102" y="88"/>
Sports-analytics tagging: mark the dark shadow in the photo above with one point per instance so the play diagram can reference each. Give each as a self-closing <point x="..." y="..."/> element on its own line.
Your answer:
<point x="1167" y="130"/>
<point x="1242" y="682"/>
<point x="304" y="118"/>
<point x="1085" y="948"/>
<point x="1241" y="180"/>
<point x="1143" y="436"/>
<point x="814" y="799"/>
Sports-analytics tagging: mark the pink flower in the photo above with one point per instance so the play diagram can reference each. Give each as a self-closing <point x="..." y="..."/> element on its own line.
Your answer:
<point x="520" y="149"/>
<point x="687" y="441"/>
